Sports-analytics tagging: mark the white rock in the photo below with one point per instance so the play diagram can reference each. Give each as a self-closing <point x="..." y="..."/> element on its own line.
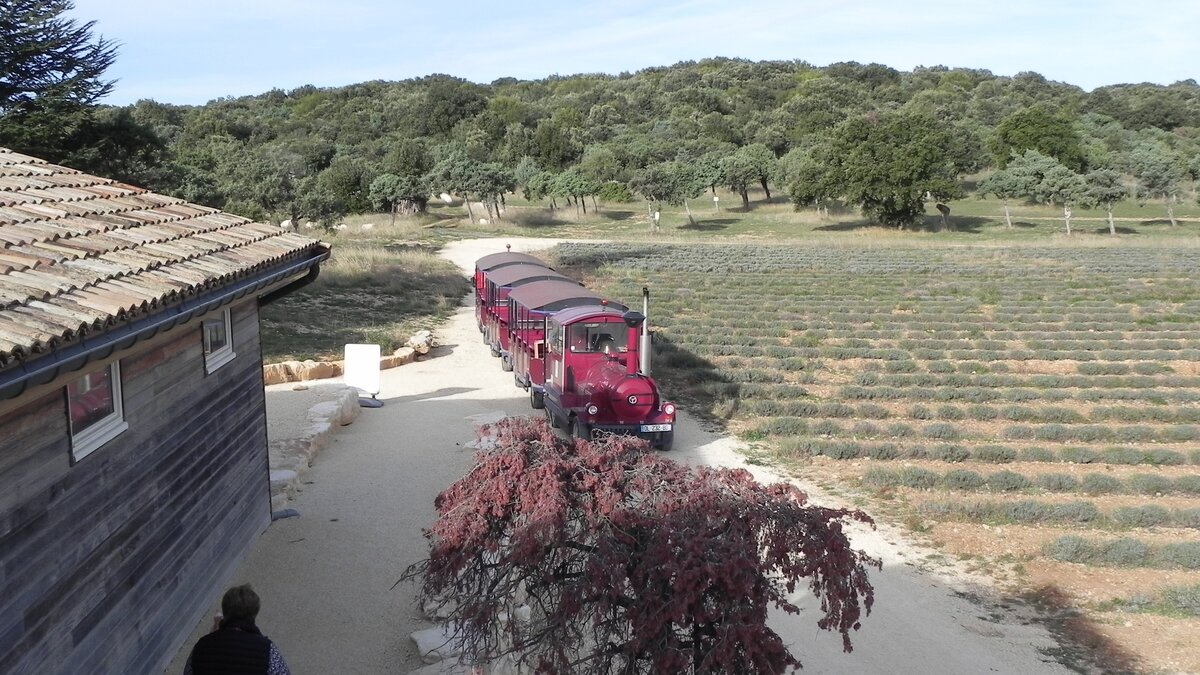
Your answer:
<point x="340" y="227"/>
<point x="420" y="342"/>
<point x="445" y="197"/>
<point x="436" y="644"/>
<point x="368" y="226"/>
<point x="287" y="224"/>
<point x="484" y="221"/>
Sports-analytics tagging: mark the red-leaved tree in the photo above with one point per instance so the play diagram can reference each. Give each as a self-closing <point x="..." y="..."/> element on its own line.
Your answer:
<point x="629" y="562"/>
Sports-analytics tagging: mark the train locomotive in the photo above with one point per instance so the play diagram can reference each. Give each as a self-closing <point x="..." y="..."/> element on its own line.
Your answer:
<point x="584" y="360"/>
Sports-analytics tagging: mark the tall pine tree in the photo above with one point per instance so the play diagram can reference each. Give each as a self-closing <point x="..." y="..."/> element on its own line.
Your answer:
<point x="51" y="77"/>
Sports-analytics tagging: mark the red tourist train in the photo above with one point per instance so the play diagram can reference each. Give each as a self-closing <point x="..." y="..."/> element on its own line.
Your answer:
<point x="585" y="360"/>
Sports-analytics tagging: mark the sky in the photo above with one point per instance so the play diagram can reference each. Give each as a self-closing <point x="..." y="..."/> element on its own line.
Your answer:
<point x="195" y="51"/>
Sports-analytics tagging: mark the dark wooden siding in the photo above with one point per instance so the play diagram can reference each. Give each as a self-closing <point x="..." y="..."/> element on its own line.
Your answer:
<point x="106" y="565"/>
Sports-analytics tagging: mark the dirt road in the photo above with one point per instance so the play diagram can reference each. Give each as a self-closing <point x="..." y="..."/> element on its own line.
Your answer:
<point x="327" y="576"/>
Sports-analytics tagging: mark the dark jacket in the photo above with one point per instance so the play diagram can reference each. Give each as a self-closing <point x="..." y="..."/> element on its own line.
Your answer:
<point x="236" y="648"/>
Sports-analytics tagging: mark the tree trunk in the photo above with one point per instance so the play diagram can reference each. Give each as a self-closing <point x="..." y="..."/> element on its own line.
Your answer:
<point x="395" y="207"/>
<point x="582" y="201"/>
<point x="470" y="214"/>
<point x="1112" y="227"/>
<point x="595" y="206"/>
<point x="1067" y="219"/>
<point x="765" y="188"/>
<point x="487" y="206"/>
<point x="745" y="199"/>
<point x="1007" y="215"/>
<point x="1171" y="211"/>
<point x="686" y="206"/>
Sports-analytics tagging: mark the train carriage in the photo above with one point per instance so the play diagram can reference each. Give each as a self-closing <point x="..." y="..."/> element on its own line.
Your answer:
<point x="529" y="306"/>
<point x="498" y="283"/>
<point x="493" y="262"/>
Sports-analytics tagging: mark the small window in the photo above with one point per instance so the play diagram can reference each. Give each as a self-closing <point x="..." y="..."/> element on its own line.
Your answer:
<point x="218" y="341"/>
<point x="95" y="411"/>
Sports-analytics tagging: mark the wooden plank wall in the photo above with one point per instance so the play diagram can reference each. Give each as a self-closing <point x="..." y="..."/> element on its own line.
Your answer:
<point x="106" y="565"/>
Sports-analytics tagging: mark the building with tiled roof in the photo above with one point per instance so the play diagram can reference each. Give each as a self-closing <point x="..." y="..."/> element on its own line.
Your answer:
<point x="133" y="450"/>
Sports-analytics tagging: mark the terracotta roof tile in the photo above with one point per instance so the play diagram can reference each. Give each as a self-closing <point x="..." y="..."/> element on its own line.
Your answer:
<point x="82" y="253"/>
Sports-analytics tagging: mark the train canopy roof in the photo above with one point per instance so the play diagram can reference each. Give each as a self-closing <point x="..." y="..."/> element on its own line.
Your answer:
<point x="495" y="260"/>
<point x="588" y="312"/>
<point x="514" y="273"/>
<point x="553" y="294"/>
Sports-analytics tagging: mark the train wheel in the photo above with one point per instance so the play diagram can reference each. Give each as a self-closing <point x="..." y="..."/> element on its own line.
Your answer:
<point x="495" y="351"/>
<point x="580" y="430"/>
<point x="554" y="423"/>
<point x="506" y="364"/>
<point x="537" y="399"/>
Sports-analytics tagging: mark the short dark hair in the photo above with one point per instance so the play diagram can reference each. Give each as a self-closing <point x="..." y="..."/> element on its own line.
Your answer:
<point x="240" y="603"/>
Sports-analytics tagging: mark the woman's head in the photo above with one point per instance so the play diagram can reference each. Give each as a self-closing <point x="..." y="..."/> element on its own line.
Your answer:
<point x="240" y="603"/>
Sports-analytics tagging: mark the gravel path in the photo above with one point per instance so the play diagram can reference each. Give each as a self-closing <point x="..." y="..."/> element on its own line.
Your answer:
<point x="326" y="577"/>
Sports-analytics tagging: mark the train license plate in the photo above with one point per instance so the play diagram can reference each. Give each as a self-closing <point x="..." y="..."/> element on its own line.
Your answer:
<point x="646" y="428"/>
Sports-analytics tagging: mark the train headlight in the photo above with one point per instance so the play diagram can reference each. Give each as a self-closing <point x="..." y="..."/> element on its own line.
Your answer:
<point x="669" y="408"/>
<point x="592" y="409"/>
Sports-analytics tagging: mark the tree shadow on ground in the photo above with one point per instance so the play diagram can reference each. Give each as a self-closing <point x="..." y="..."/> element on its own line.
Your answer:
<point x="537" y="219"/>
<point x="1157" y="221"/>
<point x="616" y="215"/>
<point x="708" y="225"/>
<point x="958" y="224"/>
<point x="1082" y="646"/>
<point x="1120" y="230"/>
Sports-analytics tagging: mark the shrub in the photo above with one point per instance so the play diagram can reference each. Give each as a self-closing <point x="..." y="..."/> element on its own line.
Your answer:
<point x="865" y="430"/>
<point x="1165" y="458"/>
<point x="1184" y="599"/>
<point x="941" y="367"/>
<point x="1194" y="456"/>
<point x="1018" y="432"/>
<point x="917" y="477"/>
<point x="950" y="453"/>
<point x="878" y="477"/>
<point x="825" y="428"/>
<point x="882" y="451"/>
<point x="1187" y="484"/>
<point x="1037" y="455"/>
<point x="1123" y="552"/>
<point x="1148" y="484"/>
<point x="900" y="367"/>
<point x="900" y="430"/>
<point x="941" y="430"/>
<point x="997" y="454"/>
<point x="1076" y="455"/>
<point x="961" y="479"/>
<point x="1184" y="554"/>
<point x="1075" y="512"/>
<point x="1070" y="548"/>
<point x="982" y="412"/>
<point x="872" y="411"/>
<point x="1124" y="456"/>
<point x="841" y="450"/>
<point x="1148" y="515"/>
<point x="1100" y="484"/>
<point x="1186" y="518"/>
<point x="1007" y="481"/>
<point x="1051" y="432"/>
<point x="920" y="412"/>
<point x="1057" y="482"/>
<point x="950" y="412"/>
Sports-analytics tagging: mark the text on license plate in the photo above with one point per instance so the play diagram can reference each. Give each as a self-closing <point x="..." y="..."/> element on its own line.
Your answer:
<point x="655" y="427"/>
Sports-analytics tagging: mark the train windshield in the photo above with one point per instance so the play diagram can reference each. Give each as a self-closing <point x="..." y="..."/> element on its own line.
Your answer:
<point x="597" y="337"/>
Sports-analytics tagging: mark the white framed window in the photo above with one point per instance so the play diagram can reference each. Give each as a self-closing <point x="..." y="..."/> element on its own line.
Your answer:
<point x="218" y="341"/>
<point x="94" y="410"/>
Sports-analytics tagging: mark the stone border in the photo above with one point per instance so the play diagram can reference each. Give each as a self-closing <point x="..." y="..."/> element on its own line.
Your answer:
<point x="302" y="371"/>
<point x="290" y="458"/>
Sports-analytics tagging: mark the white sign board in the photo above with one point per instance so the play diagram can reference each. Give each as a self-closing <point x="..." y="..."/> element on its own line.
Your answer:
<point x="362" y="368"/>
